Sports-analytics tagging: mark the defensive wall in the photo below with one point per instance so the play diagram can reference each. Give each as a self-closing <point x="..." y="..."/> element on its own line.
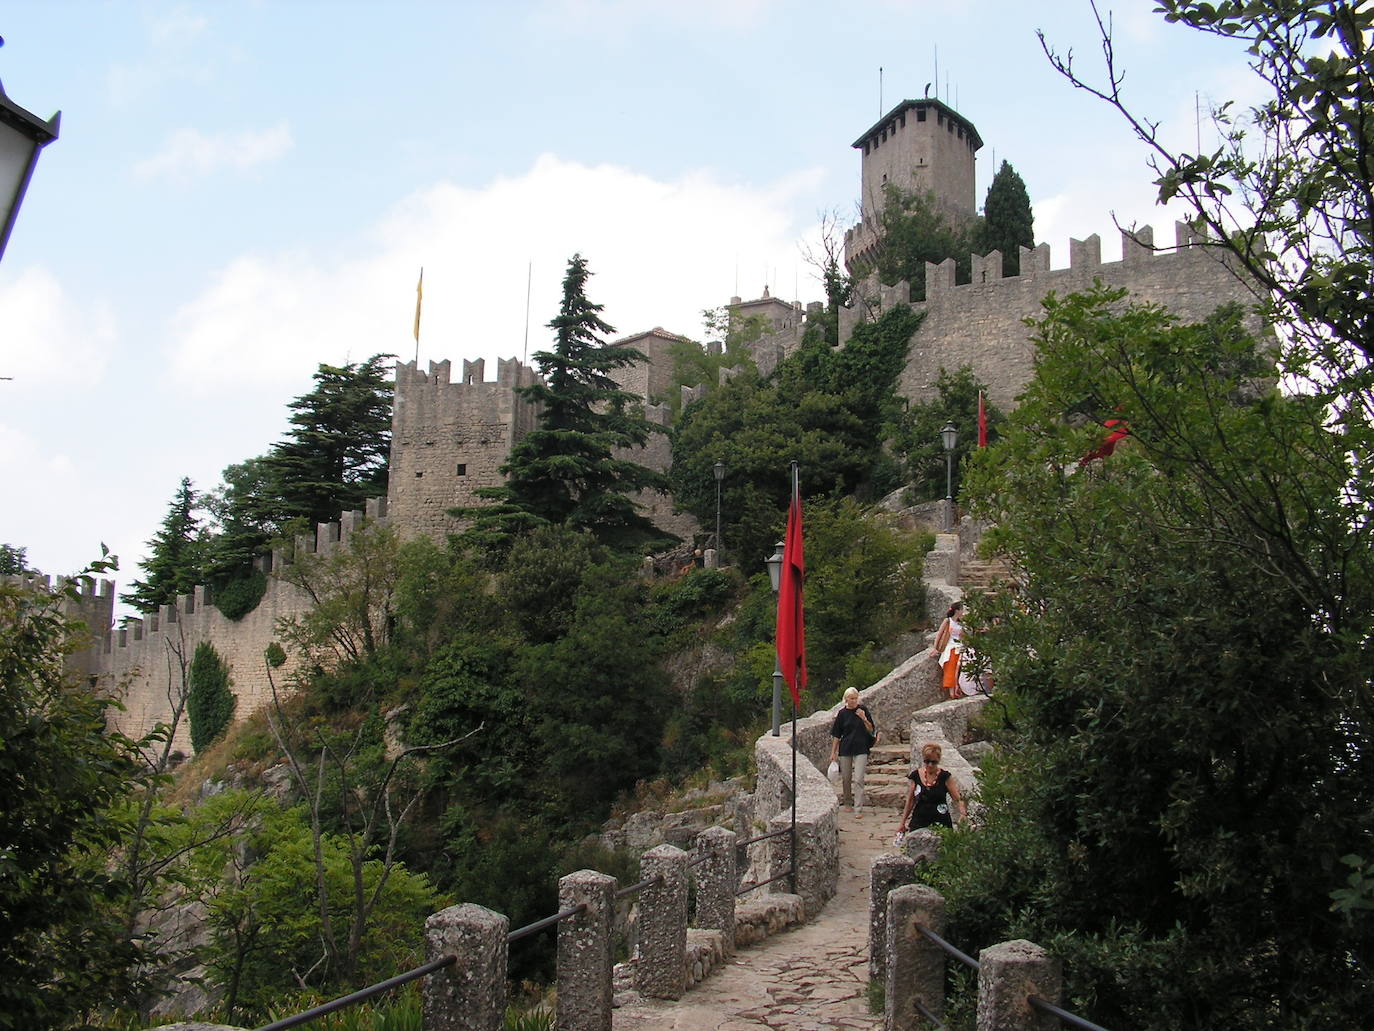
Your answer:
<point x="981" y="323"/>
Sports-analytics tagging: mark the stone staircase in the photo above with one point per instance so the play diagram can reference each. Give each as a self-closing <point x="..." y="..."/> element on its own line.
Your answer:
<point x="885" y="784"/>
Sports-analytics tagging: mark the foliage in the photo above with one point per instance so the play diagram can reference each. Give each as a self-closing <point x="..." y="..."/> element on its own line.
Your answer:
<point x="267" y="928"/>
<point x="1008" y="223"/>
<point x="918" y="437"/>
<point x="913" y="231"/>
<point x="828" y="410"/>
<point x="352" y="592"/>
<point x="236" y="598"/>
<point x="569" y="471"/>
<point x="175" y="556"/>
<point x="246" y="514"/>
<point x="13" y="561"/>
<point x="1288" y="195"/>
<point x="335" y="455"/>
<point x="210" y="704"/>
<point x="62" y="941"/>
<point x="698" y="366"/>
<point x="1186" y="679"/>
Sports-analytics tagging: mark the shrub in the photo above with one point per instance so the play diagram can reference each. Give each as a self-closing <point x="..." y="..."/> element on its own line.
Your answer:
<point x="210" y="705"/>
<point x="237" y="598"/>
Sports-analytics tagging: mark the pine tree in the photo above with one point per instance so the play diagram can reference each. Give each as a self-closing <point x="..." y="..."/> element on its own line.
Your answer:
<point x="335" y="455"/>
<point x="174" y="563"/>
<point x="566" y="472"/>
<point x="1008" y="223"/>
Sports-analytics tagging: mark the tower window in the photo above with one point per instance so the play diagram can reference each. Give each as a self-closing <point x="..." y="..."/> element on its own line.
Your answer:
<point x="920" y="114"/>
<point x="462" y="469"/>
<point x="419" y="474"/>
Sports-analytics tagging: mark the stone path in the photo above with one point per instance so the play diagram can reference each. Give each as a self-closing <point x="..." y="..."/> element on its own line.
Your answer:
<point x="814" y="978"/>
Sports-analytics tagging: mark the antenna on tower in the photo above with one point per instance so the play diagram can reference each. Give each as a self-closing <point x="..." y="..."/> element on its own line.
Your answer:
<point x="937" y="71"/>
<point x="880" y="91"/>
<point x="529" y="278"/>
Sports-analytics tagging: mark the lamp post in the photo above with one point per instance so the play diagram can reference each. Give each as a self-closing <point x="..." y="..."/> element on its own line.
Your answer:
<point x="775" y="578"/>
<point x="22" y="135"/>
<point x="949" y="435"/>
<point x="719" y="470"/>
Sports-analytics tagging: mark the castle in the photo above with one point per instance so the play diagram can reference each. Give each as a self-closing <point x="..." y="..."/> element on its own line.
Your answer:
<point x="449" y="438"/>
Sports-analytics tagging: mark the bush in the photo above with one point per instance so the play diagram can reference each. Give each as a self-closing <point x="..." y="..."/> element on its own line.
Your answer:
<point x="237" y="598"/>
<point x="210" y="705"/>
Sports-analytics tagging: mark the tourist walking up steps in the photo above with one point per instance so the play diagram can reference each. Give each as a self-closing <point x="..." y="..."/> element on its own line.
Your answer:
<point x="948" y="646"/>
<point x="852" y="734"/>
<point x="929" y="793"/>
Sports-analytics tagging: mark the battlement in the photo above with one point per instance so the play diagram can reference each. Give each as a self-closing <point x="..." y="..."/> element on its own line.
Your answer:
<point x="981" y="323"/>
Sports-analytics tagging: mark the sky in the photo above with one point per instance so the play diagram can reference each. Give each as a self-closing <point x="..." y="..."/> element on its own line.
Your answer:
<point x="244" y="189"/>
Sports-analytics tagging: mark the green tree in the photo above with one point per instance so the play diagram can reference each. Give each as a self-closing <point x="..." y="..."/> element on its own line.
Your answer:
<point x="175" y="556"/>
<point x="335" y="455"/>
<point x="918" y="438"/>
<point x="13" y="561"/>
<point x="62" y="941"/>
<point x="1184" y="666"/>
<point x="830" y="410"/>
<point x="210" y="703"/>
<point x="569" y="471"/>
<point x="914" y="230"/>
<point x="1008" y="223"/>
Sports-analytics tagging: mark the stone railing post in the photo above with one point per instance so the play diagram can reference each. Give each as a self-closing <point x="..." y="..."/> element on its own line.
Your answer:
<point x="716" y="883"/>
<point x="890" y="870"/>
<point x="661" y="972"/>
<point x="470" y="994"/>
<point x="1009" y="974"/>
<point x="915" y="964"/>
<point x="584" y="952"/>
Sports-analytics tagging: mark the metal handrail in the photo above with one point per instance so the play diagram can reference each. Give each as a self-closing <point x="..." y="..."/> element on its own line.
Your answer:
<point x="963" y="958"/>
<point x="939" y="1024"/>
<point x="548" y="921"/>
<point x="361" y="995"/>
<point x="625" y="893"/>
<point x="763" y="837"/>
<point x="1064" y="1015"/>
<point x="760" y="884"/>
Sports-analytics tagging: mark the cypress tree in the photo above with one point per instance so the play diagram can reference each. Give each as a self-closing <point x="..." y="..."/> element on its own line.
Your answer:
<point x="1008" y="223"/>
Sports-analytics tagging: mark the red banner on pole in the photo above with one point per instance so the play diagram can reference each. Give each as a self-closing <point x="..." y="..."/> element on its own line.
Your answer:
<point x="982" y="422"/>
<point x="791" y="635"/>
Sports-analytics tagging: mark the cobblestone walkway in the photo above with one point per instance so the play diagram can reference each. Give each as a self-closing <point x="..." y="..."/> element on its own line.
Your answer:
<point x="813" y="978"/>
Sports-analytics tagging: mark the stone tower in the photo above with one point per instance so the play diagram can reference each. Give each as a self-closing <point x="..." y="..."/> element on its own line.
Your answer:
<point x="921" y="145"/>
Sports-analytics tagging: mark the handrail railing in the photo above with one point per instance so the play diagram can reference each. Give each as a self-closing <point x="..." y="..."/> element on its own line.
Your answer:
<point x="361" y="995"/>
<point x="962" y="957"/>
<point x="634" y="889"/>
<point x="548" y="921"/>
<point x="1064" y="1015"/>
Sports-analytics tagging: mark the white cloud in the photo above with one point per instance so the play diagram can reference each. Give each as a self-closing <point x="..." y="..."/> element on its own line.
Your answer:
<point x="190" y="152"/>
<point x="49" y="338"/>
<point x="660" y="253"/>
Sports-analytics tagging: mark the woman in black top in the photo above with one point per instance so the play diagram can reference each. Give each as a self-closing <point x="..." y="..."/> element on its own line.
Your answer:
<point x="851" y="736"/>
<point x="927" y="798"/>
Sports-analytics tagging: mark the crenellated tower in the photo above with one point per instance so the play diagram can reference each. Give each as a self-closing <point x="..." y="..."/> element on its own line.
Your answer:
<point x="922" y="146"/>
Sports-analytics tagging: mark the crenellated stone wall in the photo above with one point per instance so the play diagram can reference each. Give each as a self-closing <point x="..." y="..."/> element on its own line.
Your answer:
<point x="981" y="324"/>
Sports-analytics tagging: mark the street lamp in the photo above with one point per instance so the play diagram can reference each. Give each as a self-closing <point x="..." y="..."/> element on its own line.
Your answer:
<point x="22" y="135"/>
<point x="950" y="436"/>
<point x="719" y="470"/>
<point x="775" y="578"/>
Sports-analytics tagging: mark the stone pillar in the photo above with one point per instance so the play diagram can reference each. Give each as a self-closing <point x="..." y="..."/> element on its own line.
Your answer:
<point x="716" y="883"/>
<point x="818" y="861"/>
<point x="584" y="952"/>
<point x="661" y="972"/>
<point x="469" y="995"/>
<point x="915" y="964"/>
<point x="922" y="844"/>
<point x="1010" y="973"/>
<point x="889" y="871"/>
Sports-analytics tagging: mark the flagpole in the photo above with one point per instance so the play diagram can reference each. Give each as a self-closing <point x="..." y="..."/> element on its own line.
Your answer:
<point x="419" y="295"/>
<point x="792" y="880"/>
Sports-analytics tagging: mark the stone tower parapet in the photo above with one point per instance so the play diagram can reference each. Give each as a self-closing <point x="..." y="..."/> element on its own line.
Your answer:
<point x="449" y="440"/>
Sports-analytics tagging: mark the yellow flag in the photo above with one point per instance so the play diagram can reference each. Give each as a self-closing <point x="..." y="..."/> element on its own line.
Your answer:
<point x="419" y="294"/>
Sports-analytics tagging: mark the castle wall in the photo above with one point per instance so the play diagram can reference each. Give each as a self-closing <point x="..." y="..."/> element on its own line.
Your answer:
<point x="651" y="380"/>
<point x="449" y="440"/>
<point x="979" y="324"/>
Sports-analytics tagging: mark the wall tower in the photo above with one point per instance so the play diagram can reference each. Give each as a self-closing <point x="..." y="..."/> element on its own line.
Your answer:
<point x="921" y="145"/>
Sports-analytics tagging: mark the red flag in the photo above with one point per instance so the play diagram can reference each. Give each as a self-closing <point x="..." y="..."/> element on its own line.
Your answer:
<point x="1119" y="430"/>
<point x="982" y="422"/>
<point x="791" y="635"/>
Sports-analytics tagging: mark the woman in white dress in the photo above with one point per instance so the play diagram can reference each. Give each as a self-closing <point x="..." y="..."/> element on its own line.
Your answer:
<point x="948" y="647"/>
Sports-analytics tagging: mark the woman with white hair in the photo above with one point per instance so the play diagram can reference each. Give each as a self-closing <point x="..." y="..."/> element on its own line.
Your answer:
<point x="852" y="734"/>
